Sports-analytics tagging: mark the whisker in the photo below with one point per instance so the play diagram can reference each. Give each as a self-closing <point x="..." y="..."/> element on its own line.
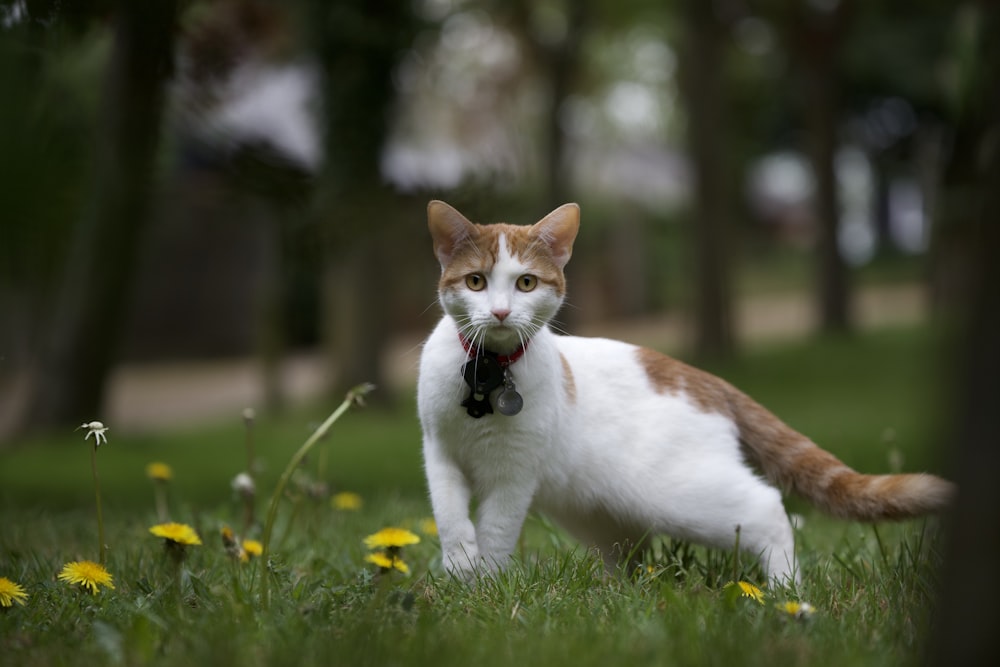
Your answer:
<point x="569" y="304"/>
<point x="433" y="303"/>
<point x="558" y="327"/>
<point x="523" y="340"/>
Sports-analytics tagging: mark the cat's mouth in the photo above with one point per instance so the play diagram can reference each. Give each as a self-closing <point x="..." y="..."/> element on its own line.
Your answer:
<point x="501" y="337"/>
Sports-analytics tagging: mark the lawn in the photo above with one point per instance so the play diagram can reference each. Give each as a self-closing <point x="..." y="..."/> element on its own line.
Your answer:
<point x="872" y="400"/>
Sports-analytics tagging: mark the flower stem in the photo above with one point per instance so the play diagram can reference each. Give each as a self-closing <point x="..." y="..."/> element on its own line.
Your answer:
<point x="251" y="463"/>
<point x="353" y="396"/>
<point x="97" y="496"/>
<point x="736" y="555"/>
<point x="160" y="493"/>
<point x="249" y="499"/>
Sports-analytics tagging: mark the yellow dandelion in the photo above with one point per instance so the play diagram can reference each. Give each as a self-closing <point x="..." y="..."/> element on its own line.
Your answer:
<point x="253" y="547"/>
<point x="346" y="500"/>
<point x="428" y="527"/>
<point x="88" y="574"/>
<point x="11" y="592"/>
<point x="386" y="562"/>
<point x="391" y="538"/>
<point x="159" y="472"/>
<point x="748" y="590"/>
<point x="177" y="533"/>
<point x="800" y="610"/>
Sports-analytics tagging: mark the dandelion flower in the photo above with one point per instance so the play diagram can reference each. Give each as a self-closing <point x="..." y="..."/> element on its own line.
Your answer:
<point x="253" y="547"/>
<point x="428" y="527"/>
<point x="159" y="472"/>
<point x="11" y="592"/>
<point x="177" y="533"/>
<point x="391" y="538"/>
<point x="232" y="544"/>
<point x="96" y="429"/>
<point x="748" y="590"/>
<point x="346" y="501"/>
<point x="386" y="562"/>
<point x="88" y="574"/>
<point x="799" y="610"/>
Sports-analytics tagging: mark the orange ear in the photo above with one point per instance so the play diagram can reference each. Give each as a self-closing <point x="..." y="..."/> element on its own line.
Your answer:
<point x="558" y="230"/>
<point x="449" y="229"/>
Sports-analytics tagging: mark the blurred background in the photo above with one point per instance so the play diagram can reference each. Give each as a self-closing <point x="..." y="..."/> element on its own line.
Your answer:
<point x="211" y="204"/>
<point x="207" y="205"/>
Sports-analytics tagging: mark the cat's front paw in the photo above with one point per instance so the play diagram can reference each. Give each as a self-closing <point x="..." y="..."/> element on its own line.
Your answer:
<point x="462" y="562"/>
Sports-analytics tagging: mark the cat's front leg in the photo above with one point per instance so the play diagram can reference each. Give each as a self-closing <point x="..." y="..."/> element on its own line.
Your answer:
<point x="450" y="496"/>
<point x="500" y="517"/>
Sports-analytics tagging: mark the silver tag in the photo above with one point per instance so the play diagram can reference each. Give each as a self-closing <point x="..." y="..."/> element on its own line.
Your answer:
<point x="509" y="402"/>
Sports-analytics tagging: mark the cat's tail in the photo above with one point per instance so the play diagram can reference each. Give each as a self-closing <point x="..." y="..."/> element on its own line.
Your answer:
<point x="795" y="463"/>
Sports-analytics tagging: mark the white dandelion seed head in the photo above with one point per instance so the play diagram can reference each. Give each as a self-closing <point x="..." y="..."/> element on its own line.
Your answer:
<point x="243" y="484"/>
<point x="96" y="429"/>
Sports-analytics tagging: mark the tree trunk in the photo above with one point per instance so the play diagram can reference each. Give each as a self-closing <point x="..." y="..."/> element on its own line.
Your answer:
<point x="966" y="619"/>
<point x="70" y="374"/>
<point x="882" y="204"/>
<point x="358" y="43"/>
<point x="819" y="34"/>
<point x="701" y="77"/>
<point x="563" y="62"/>
<point x="559" y="62"/>
<point x="357" y="321"/>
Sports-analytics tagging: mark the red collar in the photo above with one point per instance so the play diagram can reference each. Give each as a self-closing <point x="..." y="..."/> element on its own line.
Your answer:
<point x="504" y="360"/>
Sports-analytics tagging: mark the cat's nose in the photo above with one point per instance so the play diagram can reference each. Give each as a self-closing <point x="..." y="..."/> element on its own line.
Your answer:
<point x="500" y="313"/>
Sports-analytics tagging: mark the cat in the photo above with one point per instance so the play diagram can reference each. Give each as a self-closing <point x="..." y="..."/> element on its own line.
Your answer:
<point x="616" y="443"/>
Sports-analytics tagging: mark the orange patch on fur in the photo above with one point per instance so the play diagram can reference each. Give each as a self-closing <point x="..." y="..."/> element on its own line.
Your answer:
<point x="479" y="254"/>
<point x="569" y="384"/>
<point x="668" y="375"/>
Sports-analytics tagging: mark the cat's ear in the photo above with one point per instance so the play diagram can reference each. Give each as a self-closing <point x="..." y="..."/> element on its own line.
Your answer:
<point x="449" y="229"/>
<point x="558" y="230"/>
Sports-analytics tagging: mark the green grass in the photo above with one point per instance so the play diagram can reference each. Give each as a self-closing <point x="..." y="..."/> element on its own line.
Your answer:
<point x="872" y="586"/>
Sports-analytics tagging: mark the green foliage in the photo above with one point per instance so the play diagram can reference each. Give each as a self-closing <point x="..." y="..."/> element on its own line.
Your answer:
<point x="328" y="607"/>
<point x="54" y="77"/>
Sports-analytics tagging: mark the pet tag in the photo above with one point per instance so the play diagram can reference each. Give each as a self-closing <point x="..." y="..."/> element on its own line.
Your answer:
<point x="483" y="374"/>
<point x="509" y="402"/>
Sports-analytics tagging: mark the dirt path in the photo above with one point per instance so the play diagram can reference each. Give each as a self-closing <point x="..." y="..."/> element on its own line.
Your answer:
<point x="151" y="396"/>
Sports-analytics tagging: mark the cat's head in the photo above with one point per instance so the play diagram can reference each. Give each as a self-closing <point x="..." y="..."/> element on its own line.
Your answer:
<point x="502" y="283"/>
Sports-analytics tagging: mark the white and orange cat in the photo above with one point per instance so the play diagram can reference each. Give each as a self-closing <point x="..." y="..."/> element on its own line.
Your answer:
<point x="615" y="442"/>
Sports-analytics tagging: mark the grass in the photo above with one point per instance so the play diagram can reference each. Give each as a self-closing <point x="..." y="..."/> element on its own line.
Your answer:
<point x="870" y="400"/>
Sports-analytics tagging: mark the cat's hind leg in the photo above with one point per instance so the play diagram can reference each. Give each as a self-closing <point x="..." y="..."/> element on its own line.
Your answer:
<point x="734" y="499"/>
<point x="766" y="532"/>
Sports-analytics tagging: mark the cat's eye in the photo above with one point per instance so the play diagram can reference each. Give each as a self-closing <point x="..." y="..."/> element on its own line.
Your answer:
<point x="475" y="282"/>
<point x="527" y="282"/>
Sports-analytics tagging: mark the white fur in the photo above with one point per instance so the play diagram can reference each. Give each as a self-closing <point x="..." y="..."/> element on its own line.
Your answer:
<point x="619" y="463"/>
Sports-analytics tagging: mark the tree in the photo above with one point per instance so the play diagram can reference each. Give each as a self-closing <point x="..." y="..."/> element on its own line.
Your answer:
<point x="966" y="623"/>
<point x="817" y="33"/>
<point x="81" y="336"/>
<point x="358" y="43"/>
<point x="558" y="58"/>
<point x="702" y="84"/>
